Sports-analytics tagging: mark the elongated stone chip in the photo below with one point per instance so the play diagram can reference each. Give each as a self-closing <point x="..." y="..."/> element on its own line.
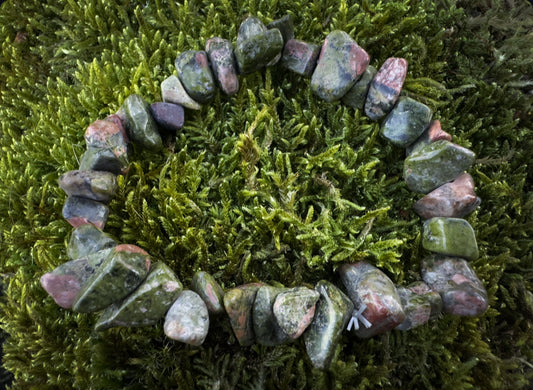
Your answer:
<point x="209" y="290"/>
<point x="122" y="271"/>
<point x="220" y="52"/>
<point x="140" y="124"/>
<point x="266" y="329"/>
<point x="147" y="304"/>
<point x="96" y="185"/>
<point x="331" y="316"/>
<point x="239" y="303"/>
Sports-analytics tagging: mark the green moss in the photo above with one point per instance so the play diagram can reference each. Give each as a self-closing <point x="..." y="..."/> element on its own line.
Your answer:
<point x="271" y="184"/>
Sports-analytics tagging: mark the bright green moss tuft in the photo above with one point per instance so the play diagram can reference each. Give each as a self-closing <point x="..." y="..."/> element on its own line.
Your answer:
<point x="271" y="184"/>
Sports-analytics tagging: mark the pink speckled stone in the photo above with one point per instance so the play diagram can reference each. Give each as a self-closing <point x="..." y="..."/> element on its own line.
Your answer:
<point x="385" y="88"/>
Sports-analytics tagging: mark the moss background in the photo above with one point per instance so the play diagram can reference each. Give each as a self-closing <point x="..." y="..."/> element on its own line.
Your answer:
<point x="272" y="184"/>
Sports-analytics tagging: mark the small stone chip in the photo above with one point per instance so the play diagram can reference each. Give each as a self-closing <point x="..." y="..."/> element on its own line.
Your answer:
<point x="87" y="239"/>
<point x="96" y="185"/>
<point x="195" y="75"/>
<point x="81" y="211"/>
<point x="450" y="236"/>
<point x="172" y="91"/>
<point x="187" y="319"/>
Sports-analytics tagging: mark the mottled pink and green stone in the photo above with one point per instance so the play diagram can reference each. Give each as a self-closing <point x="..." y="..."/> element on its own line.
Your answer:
<point x="96" y="185"/>
<point x="239" y="303"/>
<point x="64" y="283"/>
<point x="147" y="304"/>
<point x="450" y="236"/>
<point x="436" y="164"/>
<point x="195" y="75"/>
<point x="108" y="134"/>
<point x="385" y="88"/>
<point x="294" y="310"/>
<point x="420" y="304"/>
<point x="81" y="211"/>
<point x="432" y="134"/>
<point x="220" y="53"/>
<point x="461" y="290"/>
<point x="356" y="96"/>
<point x="209" y="290"/>
<point x="369" y="286"/>
<point x="87" y="239"/>
<point x="325" y="331"/>
<point x="121" y="273"/>
<point x="258" y="51"/>
<point x="455" y="199"/>
<point x="187" y="319"/>
<point x="300" y="57"/>
<point x="266" y="328"/>
<point x="340" y="64"/>
<point x="103" y="159"/>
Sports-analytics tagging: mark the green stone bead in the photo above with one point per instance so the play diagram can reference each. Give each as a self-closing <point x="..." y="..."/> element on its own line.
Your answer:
<point x="141" y="126"/>
<point x="103" y="159"/>
<point x="239" y="303"/>
<point x="436" y="164"/>
<point x="256" y="52"/>
<point x="339" y="66"/>
<point x="450" y="236"/>
<point x="147" y="304"/>
<point x="64" y="283"/>
<point x="210" y="291"/>
<point x="122" y="271"/>
<point x="356" y="96"/>
<point x="249" y="28"/>
<point x="406" y="122"/>
<point x="87" y="239"/>
<point x="266" y="329"/>
<point x="295" y="309"/>
<point x="195" y="75"/>
<point x="285" y="26"/>
<point x="331" y="316"/>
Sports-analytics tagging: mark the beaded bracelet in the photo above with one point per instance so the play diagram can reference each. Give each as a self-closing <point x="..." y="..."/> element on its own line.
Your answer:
<point x="120" y="280"/>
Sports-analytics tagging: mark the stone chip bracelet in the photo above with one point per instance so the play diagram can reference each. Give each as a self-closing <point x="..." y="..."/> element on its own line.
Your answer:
<point x="120" y="281"/>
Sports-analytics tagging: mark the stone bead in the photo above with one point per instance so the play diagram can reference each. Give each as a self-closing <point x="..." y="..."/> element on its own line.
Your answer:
<point x="147" y="304"/>
<point x="96" y="185"/>
<point x="220" y="53"/>
<point x="436" y="164"/>
<point x="239" y="303"/>
<point x="210" y="291"/>
<point x="285" y="26"/>
<point x="340" y="64"/>
<point x="356" y="96"/>
<point x="64" y="283"/>
<point x="187" y="320"/>
<point x="119" y="122"/>
<point x="249" y="28"/>
<point x="450" y="236"/>
<point x="461" y="290"/>
<point x="416" y="307"/>
<point x="300" y="57"/>
<point x="432" y="134"/>
<point x="195" y="75"/>
<point x="121" y="272"/>
<point x="169" y="116"/>
<point x="266" y="328"/>
<point x="107" y="134"/>
<point x="367" y="285"/>
<point x="294" y="310"/>
<point x="172" y="91"/>
<point x="385" y="88"/>
<point x="103" y="159"/>
<point x="455" y="199"/>
<point x="80" y="211"/>
<point x="406" y="122"/>
<point x="435" y="301"/>
<point x="331" y="315"/>
<point x="256" y="52"/>
<point x="140" y="124"/>
<point x="87" y="239"/>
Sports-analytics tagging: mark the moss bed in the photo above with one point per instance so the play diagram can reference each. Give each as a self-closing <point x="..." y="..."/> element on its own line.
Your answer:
<point x="272" y="184"/>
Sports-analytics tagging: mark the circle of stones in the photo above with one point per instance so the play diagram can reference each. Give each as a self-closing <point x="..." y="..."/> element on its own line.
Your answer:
<point x="119" y="279"/>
